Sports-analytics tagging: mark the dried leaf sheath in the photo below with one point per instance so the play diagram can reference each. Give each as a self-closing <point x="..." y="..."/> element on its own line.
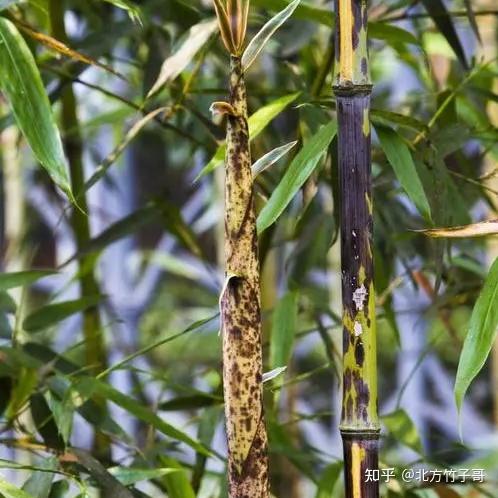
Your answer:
<point x="240" y="307"/>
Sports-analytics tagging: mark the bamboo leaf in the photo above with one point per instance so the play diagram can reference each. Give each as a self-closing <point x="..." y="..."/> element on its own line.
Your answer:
<point x="56" y="45"/>
<point x="21" y="83"/>
<point x="101" y="170"/>
<point x="257" y="44"/>
<point x="298" y="172"/>
<point x="174" y="65"/>
<point x="22" y="278"/>
<point x="40" y="482"/>
<point x="88" y="386"/>
<point x="193" y="402"/>
<point x="10" y="491"/>
<point x="52" y="314"/>
<point x="481" y="229"/>
<point x="442" y="18"/>
<point x="480" y="337"/>
<point x="399" y="157"/>
<point x="328" y="479"/>
<point x="391" y="34"/>
<point x="177" y="483"/>
<point x="283" y="330"/>
<point x="107" y="482"/>
<point x="305" y="11"/>
<point x="128" y="476"/>
<point x="133" y="10"/>
<point x="402" y="428"/>
<point x="271" y="158"/>
<point x="257" y="123"/>
<point x="472" y="19"/>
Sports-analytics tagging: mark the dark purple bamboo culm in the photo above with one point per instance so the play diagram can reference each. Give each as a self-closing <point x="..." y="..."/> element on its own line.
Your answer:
<point x="352" y="87"/>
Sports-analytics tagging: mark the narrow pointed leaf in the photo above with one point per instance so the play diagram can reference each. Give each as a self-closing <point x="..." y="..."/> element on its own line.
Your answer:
<point x="480" y="337"/>
<point x="54" y="313"/>
<point x="10" y="491"/>
<point x="441" y="17"/>
<point x="402" y="428"/>
<point x="257" y="123"/>
<point x="298" y="172"/>
<point x="399" y="157"/>
<point x="271" y="158"/>
<point x="283" y="330"/>
<point x="22" y="278"/>
<point x="88" y="386"/>
<point x="127" y="5"/>
<point x="472" y="19"/>
<point x="130" y="475"/>
<point x="21" y="83"/>
<point x="258" y="43"/>
<point x="176" y="63"/>
<point x="481" y="229"/>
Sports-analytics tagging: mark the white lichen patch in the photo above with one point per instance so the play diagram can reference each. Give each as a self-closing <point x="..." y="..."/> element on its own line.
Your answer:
<point x="358" y="329"/>
<point x="359" y="297"/>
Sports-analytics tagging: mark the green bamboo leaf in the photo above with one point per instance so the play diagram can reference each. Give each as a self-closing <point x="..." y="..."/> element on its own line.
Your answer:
<point x="328" y="480"/>
<point x="472" y="19"/>
<point x="298" y="172"/>
<point x="391" y="34"/>
<point x="177" y="484"/>
<point x="21" y="83"/>
<point x="402" y="428"/>
<point x="257" y="123"/>
<point x="88" y="386"/>
<point x="399" y="157"/>
<point x="304" y="11"/>
<point x="387" y="118"/>
<point x="22" y="278"/>
<point x="52" y="314"/>
<point x="271" y="158"/>
<point x="442" y="18"/>
<point x="175" y="64"/>
<point x="192" y="402"/>
<point x="132" y="10"/>
<point x="257" y="44"/>
<point x="128" y="476"/>
<point x="283" y="330"/>
<point x="480" y="337"/>
<point x="10" y="491"/>
<point x="109" y="485"/>
<point x="40" y="482"/>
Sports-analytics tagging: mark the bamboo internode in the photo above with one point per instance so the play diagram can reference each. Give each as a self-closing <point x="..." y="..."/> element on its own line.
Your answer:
<point x="352" y="86"/>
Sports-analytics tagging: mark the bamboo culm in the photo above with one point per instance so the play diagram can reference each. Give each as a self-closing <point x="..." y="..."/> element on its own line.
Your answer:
<point x="352" y="86"/>
<point x="241" y="309"/>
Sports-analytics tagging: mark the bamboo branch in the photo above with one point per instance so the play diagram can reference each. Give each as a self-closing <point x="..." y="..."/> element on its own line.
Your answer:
<point x="352" y="86"/>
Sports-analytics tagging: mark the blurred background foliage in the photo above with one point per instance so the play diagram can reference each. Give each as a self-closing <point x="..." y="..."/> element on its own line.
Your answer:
<point x="149" y="421"/>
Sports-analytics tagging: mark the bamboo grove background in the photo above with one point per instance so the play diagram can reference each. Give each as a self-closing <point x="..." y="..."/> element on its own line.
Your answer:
<point x="110" y="358"/>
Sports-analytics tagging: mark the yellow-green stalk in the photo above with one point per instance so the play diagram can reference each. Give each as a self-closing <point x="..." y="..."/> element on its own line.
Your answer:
<point x="240" y="299"/>
<point x="352" y="86"/>
<point x="92" y="328"/>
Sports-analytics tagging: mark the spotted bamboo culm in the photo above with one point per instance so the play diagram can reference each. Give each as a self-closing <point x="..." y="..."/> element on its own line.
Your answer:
<point x="240" y="299"/>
